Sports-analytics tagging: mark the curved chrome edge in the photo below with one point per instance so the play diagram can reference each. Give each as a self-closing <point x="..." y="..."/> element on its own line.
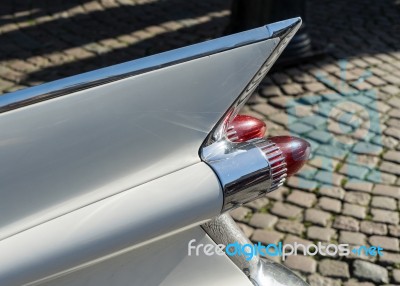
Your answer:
<point x="246" y="170"/>
<point x="260" y="271"/>
<point x="284" y="30"/>
<point x="87" y="80"/>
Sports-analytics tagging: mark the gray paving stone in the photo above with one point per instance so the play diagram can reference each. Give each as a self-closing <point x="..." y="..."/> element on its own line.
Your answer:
<point x="384" y="203"/>
<point x="354" y="171"/>
<point x="332" y="151"/>
<point x="389" y="258"/>
<point x="270" y="91"/>
<point x="302" y="199"/>
<point x="370" y="271"/>
<point x="385" y="141"/>
<point x="300" y="110"/>
<point x="391" y="168"/>
<point x="354" y="282"/>
<point x="280" y="78"/>
<point x="315" y="87"/>
<point x="346" y="223"/>
<point x="394" y="101"/>
<point x="265" y="109"/>
<point x="354" y="210"/>
<point x="358" y="185"/>
<point x="330" y="205"/>
<point x="385" y="216"/>
<point x="317" y="217"/>
<point x="301" y="263"/>
<point x="314" y="121"/>
<point x="282" y="102"/>
<point x="393" y="122"/>
<point x="247" y="230"/>
<point x="301" y="183"/>
<point x="392" y="155"/>
<point x="385" y="190"/>
<point x="300" y="128"/>
<point x="289" y="226"/>
<point x="292" y="88"/>
<point x="261" y="220"/>
<point x="392" y="90"/>
<point x="286" y="210"/>
<point x="332" y="191"/>
<point x="367" y="148"/>
<point x="329" y="178"/>
<point x="282" y="119"/>
<point x="310" y="99"/>
<point x="396" y="275"/>
<point x="278" y="194"/>
<point x="352" y="238"/>
<point x="394" y="230"/>
<point x="320" y="233"/>
<point x="307" y="172"/>
<point x="258" y="203"/>
<point x="267" y="236"/>
<point x="333" y="268"/>
<point x="358" y="198"/>
<point x="381" y="178"/>
<point x="393" y="132"/>
<point x="320" y="136"/>
<point x="324" y="163"/>
<point x="240" y="213"/>
<point x="370" y="227"/>
<point x="388" y="243"/>
<point x="318" y="280"/>
<point x="296" y="240"/>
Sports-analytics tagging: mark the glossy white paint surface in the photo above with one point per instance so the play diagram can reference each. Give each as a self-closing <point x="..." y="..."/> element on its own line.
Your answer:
<point x="184" y="198"/>
<point x="164" y="262"/>
<point x="62" y="154"/>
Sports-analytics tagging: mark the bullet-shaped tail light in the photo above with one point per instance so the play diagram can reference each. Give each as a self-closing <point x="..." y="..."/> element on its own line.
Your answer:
<point x="296" y="152"/>
<point x="244" y="128"/>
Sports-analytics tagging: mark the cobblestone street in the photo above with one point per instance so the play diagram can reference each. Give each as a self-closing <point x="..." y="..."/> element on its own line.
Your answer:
<point x="346" y="104"/>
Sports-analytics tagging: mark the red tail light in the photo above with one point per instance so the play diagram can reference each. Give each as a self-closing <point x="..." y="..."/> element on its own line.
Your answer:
<point x="295" y="150"/>
<point x="244" y="128"/>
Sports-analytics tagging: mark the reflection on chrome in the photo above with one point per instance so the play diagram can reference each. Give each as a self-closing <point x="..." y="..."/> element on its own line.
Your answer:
<point x="260" y="271"/>
<point x="246" y="170"/>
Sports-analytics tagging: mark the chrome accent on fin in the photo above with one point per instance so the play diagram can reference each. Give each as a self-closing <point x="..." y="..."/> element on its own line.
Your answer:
<point x="245" y="169"/>
<point x="284" y="30"/>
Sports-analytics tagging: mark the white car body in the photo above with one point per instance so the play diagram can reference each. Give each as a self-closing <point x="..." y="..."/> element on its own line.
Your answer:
<point x="101" y="180"/>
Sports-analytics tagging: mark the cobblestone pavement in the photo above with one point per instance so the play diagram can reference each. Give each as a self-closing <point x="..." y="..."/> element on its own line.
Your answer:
<point x="346" y="104"/>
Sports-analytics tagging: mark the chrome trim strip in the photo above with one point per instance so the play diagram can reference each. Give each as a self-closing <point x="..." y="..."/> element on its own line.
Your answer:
<point x="87" y="80"/>
<point x="260" y="271"/>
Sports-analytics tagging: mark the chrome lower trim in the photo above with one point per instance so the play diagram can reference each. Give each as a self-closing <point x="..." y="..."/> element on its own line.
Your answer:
<point x="244" y="169"/>
<point x="83" y="81"/>
<point x="260" y="271"/>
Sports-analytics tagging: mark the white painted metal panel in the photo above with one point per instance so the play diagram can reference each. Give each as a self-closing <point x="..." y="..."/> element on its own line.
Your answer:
<point x="129" y="219"/>
<point x="164" y="262"/>
<point x="65" y="153"/>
